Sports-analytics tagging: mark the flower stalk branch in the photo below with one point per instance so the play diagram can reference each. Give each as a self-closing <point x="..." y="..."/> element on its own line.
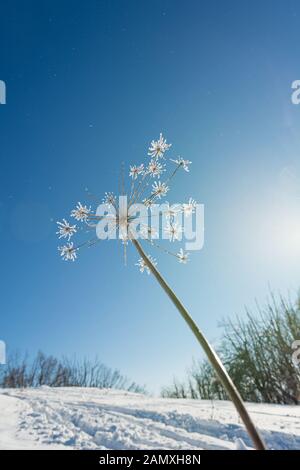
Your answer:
<point x="211" y="354"/>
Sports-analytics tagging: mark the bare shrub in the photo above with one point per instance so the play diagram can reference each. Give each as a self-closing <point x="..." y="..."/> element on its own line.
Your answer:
<point x="257" y="351"/>
<point x="20" y="372"/>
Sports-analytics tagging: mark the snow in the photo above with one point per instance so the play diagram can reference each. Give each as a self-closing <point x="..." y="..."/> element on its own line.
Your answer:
<point x="88" y="418"/>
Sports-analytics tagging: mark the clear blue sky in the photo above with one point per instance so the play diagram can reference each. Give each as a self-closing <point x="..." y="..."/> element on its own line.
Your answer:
<point x="89" y="84"/>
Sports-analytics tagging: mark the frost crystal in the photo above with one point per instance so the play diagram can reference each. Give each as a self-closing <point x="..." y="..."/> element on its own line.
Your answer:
<point x="155" y="168"/>
<point x="159" y="189"/>
<point x="158" y="147"/>
<point x="65" y="230"/>
<point x="182" y="163"/>
<point x="68" y="252"/>
<point x="182" y="256"/>
<point x="135" y="171"/>
<point x="81" y="212"/>
<point x="189" y="208"/>
<point x="143" y="265"/>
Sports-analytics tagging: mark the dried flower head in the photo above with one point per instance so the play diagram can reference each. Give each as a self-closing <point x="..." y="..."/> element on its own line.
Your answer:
<point x="135" y="171"/>
<point x="65" y="230"/>
<point x="155" y="169"/>
<point x="109" y="198"/>
<point x="143" y="266"/>
<point x="189" y="208"/>
<point x="81" y="212"/>
<point x="182" y="163"/>
<point x="68" y="252"/>
<point x="159" y="189"/>
<point x="146" y="187"/>
<point x="182" y="256"/>
<point x="158" y="147"/>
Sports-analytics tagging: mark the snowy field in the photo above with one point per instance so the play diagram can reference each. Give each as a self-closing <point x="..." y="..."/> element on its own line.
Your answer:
<point x="85" y="418"/>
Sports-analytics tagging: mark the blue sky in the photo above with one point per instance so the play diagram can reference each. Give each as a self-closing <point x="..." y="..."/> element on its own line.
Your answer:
<point x="88" y="87"/>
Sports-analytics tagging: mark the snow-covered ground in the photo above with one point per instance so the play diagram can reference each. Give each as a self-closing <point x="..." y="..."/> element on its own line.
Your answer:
<point x="86" y="418"/>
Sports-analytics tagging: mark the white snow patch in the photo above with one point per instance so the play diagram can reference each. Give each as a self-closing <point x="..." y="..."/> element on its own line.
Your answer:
<point x="88" y="418"/>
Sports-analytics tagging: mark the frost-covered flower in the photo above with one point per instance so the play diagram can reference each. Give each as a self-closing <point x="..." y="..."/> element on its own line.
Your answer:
<point x="109" y="198"/>
<point x="80" y="212"/>
<point x="172" y="211"/>
<point x="189" y="208"/>
<point x="65" y="230"/>
<point x="155" y="168"/>
<point x="68" y="252"/>
<point x="135" y="171"/>
<point x="142" y="265"/>
<point x="118" y="219"/>
<point x="174" y="231"/>
<point x="183" y="163"/>
<point x="159" y="189"/>
<point x="182" y="256"/>
<point x="158" y="147"/>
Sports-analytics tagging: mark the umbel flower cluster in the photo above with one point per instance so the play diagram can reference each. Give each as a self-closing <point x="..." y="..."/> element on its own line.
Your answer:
<point x="149" y="185"/>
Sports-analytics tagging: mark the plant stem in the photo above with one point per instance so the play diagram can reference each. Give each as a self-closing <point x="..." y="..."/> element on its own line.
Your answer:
<point x="211" y="354"/>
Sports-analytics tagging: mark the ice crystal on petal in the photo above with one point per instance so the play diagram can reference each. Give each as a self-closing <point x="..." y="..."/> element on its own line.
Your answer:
<point x="158" y="147"/>
<point x="155" y="169"/>
<point x="68" y="252"/>
<point x="183" y="163"/>
<point x="159" y="189"/>
<point x="182" y="256"/>
<point x="80" y="212"/>
<point x="109" y="198"/>
<point x="189" y="208"/>
<point x="135" y="171"/>
<point x="65" y="230"/>
<point x="142" y="265"/>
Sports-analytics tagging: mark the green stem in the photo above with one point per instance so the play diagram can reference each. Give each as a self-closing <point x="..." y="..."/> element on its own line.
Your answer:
<point x="211" y="354"/>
